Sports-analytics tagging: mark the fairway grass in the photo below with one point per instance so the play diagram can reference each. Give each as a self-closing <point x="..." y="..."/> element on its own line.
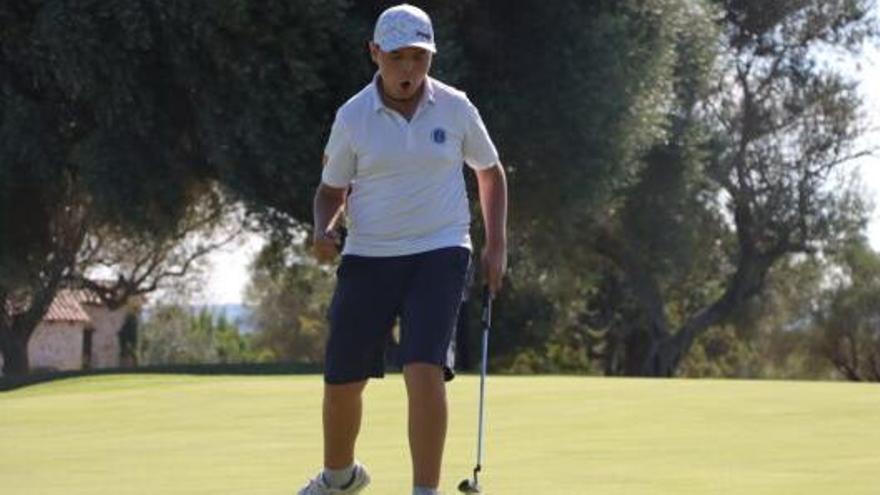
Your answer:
<point x="173" y="434"/>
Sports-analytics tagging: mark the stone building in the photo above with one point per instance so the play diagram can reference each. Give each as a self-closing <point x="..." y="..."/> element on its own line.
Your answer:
<point x="80" y="332"/>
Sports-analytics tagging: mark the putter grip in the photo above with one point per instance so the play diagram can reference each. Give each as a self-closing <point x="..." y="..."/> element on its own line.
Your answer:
<point x="487" y="308"/>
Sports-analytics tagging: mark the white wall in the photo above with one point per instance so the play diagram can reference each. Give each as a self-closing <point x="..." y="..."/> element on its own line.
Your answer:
<point x="56" y="345"/>
<point x="105" y="341"/>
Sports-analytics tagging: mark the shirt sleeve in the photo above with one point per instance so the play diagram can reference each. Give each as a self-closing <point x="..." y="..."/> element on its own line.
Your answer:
<point x="478" y="149"/>
<point x="339" y="167"/>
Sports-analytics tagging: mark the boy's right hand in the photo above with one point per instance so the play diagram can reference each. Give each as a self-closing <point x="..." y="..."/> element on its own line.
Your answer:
<point x="325" y="246"/>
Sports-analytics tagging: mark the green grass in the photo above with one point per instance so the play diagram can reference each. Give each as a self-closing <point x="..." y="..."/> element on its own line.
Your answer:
<point x="172" y="434"/>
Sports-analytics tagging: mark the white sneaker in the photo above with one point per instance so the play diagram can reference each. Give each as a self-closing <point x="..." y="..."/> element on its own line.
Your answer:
<point x="360" y="480"/>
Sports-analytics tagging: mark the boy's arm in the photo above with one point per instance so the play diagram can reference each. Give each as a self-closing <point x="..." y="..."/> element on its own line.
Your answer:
<point x="492" y="184"/>
<point x="327" y="207"/>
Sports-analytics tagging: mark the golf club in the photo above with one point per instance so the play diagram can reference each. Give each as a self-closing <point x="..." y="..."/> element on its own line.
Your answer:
<point x="473" y="485"/>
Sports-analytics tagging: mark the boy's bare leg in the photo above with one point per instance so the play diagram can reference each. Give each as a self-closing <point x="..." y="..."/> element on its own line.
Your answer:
<point x="342" y="423"/>
<point x="427" y="421"/>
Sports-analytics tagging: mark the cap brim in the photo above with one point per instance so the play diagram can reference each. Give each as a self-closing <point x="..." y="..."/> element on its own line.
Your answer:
<point x="425" y="45"/>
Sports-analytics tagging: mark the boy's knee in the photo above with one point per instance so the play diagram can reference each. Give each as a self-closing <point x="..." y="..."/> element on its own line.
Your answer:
<point x="424" y="378"/>
<point x="344" y="391"/>
<point x="423" y="371"/>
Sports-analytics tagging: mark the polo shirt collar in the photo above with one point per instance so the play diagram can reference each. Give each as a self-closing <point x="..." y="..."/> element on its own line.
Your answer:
<point x="429" y="90"/>
<point x="427" y="96"/>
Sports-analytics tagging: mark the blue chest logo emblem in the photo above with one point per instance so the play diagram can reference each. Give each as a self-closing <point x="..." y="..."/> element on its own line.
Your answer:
<point x="439" y="135"/>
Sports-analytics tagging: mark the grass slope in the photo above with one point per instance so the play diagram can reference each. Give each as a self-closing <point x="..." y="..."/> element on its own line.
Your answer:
<point x="167" y="435"/>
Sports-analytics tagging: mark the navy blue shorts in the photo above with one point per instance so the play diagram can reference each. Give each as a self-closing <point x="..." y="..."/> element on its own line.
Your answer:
<point x="423" y="291"/>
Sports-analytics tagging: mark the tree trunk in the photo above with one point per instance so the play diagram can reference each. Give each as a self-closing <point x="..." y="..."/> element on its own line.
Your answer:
<point x="650" y="356"/>
<point x="15" y="355"/>
<point x="657" y="351"/>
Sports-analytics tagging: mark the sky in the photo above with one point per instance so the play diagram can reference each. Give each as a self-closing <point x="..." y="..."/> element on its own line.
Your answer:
<point x="228" y="274"/>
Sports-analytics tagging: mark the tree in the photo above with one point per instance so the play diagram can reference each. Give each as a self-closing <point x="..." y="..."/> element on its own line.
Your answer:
<point x="124" y="112"/>
<point x="677" y="150"/>
<point x="169" y="337"/>
<point x="777" y="127"/>
<point x="231" y="345"/>
<point x="574" y="94"/>
<point x="28" y="289"/>
<point x="140" y="263"/>
<point x="174" y="334"/>
<point x="573" y="122"/>
<point x="290" y="296"/>
<point x="849" y="322"/>
<point x="771" y="336"/>
<point x="532" y="329"/>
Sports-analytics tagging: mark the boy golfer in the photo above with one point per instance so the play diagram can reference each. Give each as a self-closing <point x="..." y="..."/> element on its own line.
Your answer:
<point x="394" y="160"/>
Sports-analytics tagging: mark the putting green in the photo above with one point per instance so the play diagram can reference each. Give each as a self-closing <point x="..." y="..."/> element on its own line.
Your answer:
<point x="165" y="435"/>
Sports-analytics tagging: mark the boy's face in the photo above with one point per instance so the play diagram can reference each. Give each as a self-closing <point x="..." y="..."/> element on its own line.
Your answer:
<point x="403" y="71"/>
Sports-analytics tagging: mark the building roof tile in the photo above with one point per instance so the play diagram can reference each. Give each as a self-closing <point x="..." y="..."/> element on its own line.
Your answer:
<point x="66" y="307"/>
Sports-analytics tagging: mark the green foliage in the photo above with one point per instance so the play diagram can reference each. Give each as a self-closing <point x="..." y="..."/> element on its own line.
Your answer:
<point x="572" y="124"/>
<point x="174" y="335"/>
<point x="697" y="138"/>
<point x="719" y="353"/>
<point x="138" y="104"/>
<point x="538" y="323"/>
<point x="771" y="337"/>
<point x="290" y="297"/>
<point x="849" y="321"/>
<point x="774" y="353"/>
<point x="742" y="180"/>
<point x="554" y="358"/>
<point x="118" y="117"/>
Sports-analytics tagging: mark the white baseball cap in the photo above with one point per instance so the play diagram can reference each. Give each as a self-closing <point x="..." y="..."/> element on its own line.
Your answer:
<point x="402" y="26"/>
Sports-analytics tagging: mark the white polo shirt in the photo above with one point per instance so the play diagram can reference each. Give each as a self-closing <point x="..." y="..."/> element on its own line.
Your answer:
<point x="407" y="183"/>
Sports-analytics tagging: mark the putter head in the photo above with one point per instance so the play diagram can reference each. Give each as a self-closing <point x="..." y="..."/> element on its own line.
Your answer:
<point x="469" y="486"/>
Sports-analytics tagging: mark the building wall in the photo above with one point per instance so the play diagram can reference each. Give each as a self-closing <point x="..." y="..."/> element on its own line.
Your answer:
<point x="105" y="342"/>
<point x="56" y="345"/>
